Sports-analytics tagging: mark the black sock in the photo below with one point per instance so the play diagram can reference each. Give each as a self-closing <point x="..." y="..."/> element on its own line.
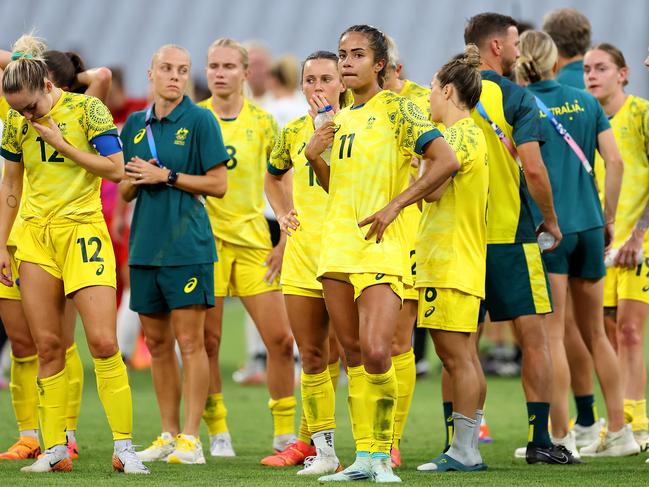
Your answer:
<point x="448" y="420"/>
<point x="585" y="410"/>
<point x="538" y="414"/>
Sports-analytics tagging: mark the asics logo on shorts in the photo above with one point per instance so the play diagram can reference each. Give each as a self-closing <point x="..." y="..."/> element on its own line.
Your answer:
<point x="429" y="311"/>
<point x="100" y="270"/>
<point x="532" y="418"/>
<point x="645" y="289"/>
<point x="191" y="285"/>
<point x="379" y="277"/>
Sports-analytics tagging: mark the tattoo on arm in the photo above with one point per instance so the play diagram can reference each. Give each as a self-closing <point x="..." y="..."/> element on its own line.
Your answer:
<point x="12" y="202"/>
<point x="643" y="221"/>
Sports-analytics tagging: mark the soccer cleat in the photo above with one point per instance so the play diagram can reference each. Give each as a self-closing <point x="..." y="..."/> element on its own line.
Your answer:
<point x="221" y="445"/>
<point x="382" y="471"/>
<point x="293" y="454"/>
<point x="359" y="470"/>
<point x="56" y="459"/>
<point x="552" y="455"/>
<point x="26" y="447"/>
<point x="159" y="450"/>
<point x="613" y="444"/>
<point x="586" y="435"/>
<point x="73" y="450"/>
<point x="127" y="461"/>
<point x="251" y="374"/>
<point x="642" y="439"/>
<point x="395" y="457"/>
<point x="520" y="452"/>
<point x="320" y="465"/>
<point x="189" y="451"/>
<point x="484" y="436"/>
<point x="569" y="443"/>
<point x="445" y="463"/>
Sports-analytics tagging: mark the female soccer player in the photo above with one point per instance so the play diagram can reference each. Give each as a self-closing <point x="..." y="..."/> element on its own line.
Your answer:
<point x="248" y="265"/>
<point x="63" y="143"/>
<point x="176" y="156"/>
<point x="363" y="271"/>
<point x="301" y="217"/>
<point x="64" y="69"/>
<point x="578" y="262"/>
<point x="451" y="256"/>
<point x="625" y="300"/>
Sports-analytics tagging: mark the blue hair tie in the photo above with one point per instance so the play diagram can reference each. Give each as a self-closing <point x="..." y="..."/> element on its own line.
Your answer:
<point x="18" y="54"/>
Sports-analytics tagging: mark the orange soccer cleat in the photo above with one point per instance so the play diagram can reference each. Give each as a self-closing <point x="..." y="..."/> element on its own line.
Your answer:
<point x="26" y="447"/>
<point x="293" y="454"/>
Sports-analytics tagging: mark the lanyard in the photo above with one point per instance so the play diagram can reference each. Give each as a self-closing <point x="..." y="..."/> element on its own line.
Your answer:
<point x="499" y="133"/>
<point x="561" y="130"/>
<point x="149" y="137"/>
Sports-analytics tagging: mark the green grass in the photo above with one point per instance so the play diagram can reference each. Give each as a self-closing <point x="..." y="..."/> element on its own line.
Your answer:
<point x="250" y="424"/>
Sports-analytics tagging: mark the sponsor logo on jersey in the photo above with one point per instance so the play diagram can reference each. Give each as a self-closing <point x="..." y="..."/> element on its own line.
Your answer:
<point x="139" y="136"/>
<point x="181" y="135"/>
<point x="191" y="285"/>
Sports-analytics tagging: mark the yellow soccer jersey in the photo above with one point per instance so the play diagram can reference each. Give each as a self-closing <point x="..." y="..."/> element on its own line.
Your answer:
<point x="631" y="129"/>
<point x="418" y="94"/>
<point x="309" y="200"/>
<point x="4" y="108"/>
<point x="56" y="186"/>
<point x="452" y="239"/>
<point x="238" y="217"/>
<point x="370" y="165"/>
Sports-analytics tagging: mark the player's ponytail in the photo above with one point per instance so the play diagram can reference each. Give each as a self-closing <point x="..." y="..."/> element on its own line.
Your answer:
<point x="538" y="57"/>
<point x="463" y="72"/>
<point x="64" y="67"/>
<point x="27" y="69"/>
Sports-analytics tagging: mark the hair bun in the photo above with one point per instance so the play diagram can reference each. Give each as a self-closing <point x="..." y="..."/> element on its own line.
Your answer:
<point x="28" y="47"/>
<point x="471" y="56"/>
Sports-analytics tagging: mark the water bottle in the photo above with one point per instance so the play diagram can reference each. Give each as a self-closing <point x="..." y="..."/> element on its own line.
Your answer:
<point x="324" y="115"/>
<point x="609" y="259"/>
<point x="546" y="241"/>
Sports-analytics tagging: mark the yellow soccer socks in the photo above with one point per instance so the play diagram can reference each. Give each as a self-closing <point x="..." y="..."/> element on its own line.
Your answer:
<point x="334" y="373"/>
<point x="283" y="411"/>
<point x="318" y="401"/>
<point x="24" y="392"/>
<point x="381" y="404"/>
<point x="115" y="395"/>
<point x="635" y="413"/>
<point x="406" y="373"/>
<point x="52" y="407"/>
<point x="358" y="409"/>
<point x="215" y="413"/>
<point x="74" y="372"/>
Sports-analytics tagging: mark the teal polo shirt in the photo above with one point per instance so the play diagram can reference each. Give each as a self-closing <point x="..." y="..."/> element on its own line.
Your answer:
<point x="170" y="227"/>
<point x="574" y="191"/>
<point x="572" y="74"/>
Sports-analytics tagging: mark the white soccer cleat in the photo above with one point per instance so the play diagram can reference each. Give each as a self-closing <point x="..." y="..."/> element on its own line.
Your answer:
<point x="520" y="452"/>
<point x="587" y="435"/>
<point x="569" y="442"/>
<point x="127" y="461"/>
<point x="221" y="445"/>
<point x="382" y="471"/>
<point x="189" y="451"/>
<point x="159" y="450"/>
<point x="56" y="459"/>
<point x="617" y="444"/>
<point x="359" y="470"/>
<point x="642" y="439"/>
<point x="320" y="465"/>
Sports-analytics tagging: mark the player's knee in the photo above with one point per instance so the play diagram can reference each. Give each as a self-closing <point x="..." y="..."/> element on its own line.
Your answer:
<point x="103" y="347"/>
<point x="23" y="346"/>
<point x="629" y="333"/>
<point x="159" y="345"/>
<point x="282" y="346"/>
<point x="190" y="344"/>
<point x="212" y="344"/>
<point x="313" y="359"/>
<point x="377" y="357"/>
<point x="50" y="350"/>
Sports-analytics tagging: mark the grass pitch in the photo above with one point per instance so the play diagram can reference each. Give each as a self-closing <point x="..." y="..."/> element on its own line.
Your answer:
<point x="251" y="428"/>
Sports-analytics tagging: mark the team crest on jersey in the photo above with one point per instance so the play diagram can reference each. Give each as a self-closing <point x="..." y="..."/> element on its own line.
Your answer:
<point x="249" y="133"/>
<point x="139" y="136"/>
<point x="370" y="122"/>
<point x="181" y="135"/>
